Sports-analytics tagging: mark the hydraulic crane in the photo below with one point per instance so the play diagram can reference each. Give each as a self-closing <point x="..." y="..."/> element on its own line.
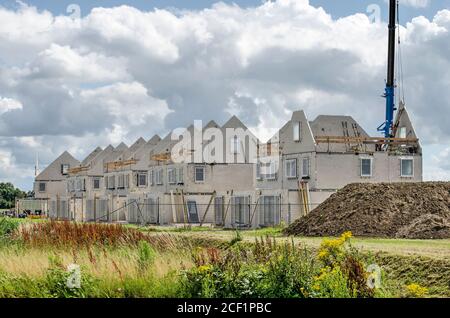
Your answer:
<point x="387" y="126"/>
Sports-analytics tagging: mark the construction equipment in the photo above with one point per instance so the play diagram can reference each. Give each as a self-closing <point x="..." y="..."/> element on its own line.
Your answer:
<point x="387" y="126"/>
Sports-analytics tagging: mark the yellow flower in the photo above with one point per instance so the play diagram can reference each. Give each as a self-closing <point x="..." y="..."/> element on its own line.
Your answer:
<point x="346" y="235"/>
<point x="323" y="254"/>
<point x="417" y="291"/>
<point x="204" y="268"/>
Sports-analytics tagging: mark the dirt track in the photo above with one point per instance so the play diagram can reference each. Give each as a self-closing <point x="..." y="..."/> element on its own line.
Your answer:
<point x="402" y="210"/>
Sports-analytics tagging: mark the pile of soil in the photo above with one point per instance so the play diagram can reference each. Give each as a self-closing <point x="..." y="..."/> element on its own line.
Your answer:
<point x="395" y="210"/>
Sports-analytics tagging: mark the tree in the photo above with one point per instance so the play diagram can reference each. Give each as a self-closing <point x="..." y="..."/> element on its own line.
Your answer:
<point x="8" y="195"/>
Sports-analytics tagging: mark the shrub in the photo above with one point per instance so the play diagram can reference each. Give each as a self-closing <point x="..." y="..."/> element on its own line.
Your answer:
<point x="332" y="283"/>
<point x="272" y="270"/>
<point x="56" y="281"/>
<point x="266" y="270"/>
<point x="8" y="226"/>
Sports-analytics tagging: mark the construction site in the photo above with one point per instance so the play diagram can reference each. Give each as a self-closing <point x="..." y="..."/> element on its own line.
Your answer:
<point x="325" y="208"/>
<point x="229" y="178"/>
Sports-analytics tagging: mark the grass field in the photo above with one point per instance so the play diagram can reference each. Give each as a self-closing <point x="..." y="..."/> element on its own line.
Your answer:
<point x="116" y="263"/>
<point x="439" y="249"/>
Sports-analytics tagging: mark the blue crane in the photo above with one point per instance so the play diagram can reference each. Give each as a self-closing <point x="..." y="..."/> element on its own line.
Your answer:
<point x="387" y="126"/>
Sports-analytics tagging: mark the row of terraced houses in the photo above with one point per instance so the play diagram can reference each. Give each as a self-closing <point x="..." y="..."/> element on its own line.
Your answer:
<point x="182" y="180"/>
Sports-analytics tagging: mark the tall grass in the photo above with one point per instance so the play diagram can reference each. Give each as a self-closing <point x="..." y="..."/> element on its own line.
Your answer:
<point x="75" y="235"/>
<point x="118" y="261"/>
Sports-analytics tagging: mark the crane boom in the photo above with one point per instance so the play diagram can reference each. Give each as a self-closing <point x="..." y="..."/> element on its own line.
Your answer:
<point x="387" y="126"/>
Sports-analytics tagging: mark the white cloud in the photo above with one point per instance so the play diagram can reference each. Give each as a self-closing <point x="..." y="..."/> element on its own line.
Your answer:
<point x="8" y="104"/>
<point x="414" y="3"/>
<point x="121" y="73"/>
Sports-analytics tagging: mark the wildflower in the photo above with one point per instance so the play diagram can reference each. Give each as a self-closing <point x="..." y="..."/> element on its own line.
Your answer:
<point x="416" y="291"/>
<point x="346" y="235"/>
<point x="204" y="268"/>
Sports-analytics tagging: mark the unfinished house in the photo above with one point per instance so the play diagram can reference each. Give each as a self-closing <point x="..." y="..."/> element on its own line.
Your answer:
<point x="50" y="184"/>
<point x="307" y="161"/>
<point x="127" y="175"/>
<point x="195" y="186"/>
<point x="84" y="182"/>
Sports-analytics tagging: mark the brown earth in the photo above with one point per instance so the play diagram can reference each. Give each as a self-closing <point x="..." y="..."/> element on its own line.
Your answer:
<point x="403" y="210"/>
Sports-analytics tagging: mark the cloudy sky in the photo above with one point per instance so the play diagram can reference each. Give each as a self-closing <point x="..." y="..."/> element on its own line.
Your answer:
<point x="126" y="69"/>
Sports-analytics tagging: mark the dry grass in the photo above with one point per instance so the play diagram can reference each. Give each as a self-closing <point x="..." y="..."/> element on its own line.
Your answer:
<point x="101" y="263"/>
<point x="70" y="235"/>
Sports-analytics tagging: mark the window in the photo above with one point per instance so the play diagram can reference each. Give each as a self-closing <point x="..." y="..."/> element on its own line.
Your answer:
<point x="291" y="168"/>
<point x="271" y="171"/>
<point x="407" y="168"/>
<point x="180" y="176"/>
<point x="79" y="185"/>
<point x="366" y="167"/>
<point x="305" y="168"/>
<point x="297" y="131"/>
<point x="235" y="145"/>
<point x="141" y="179"/>
<point x="218" y="208"/>
<point x="111" y="182"/>
<point x="96" y="183"/>
<point x="172" y="176"/>
<point x="121" y="181"/>
<point x="159" y="177"/>
<point x="240" y="211"/>
<point x="192" y="212"/>
<point x="70" y="185"/>
<point x="42" y="186"/>
<point x="258" y="171"/>
<point x="127" y="181"/>
<point x="152" y="177"/>
<point x="199" y="174"/>
<point x="65" y="169"/>
<point x="270" y="210"/>
<point x="402" y="132"/>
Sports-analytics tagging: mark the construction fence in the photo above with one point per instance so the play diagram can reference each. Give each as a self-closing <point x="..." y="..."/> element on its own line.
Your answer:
<point x="237" y="212"/>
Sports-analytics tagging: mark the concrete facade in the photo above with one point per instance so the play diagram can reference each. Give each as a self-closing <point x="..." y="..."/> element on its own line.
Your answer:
<point x="245" y="184"/>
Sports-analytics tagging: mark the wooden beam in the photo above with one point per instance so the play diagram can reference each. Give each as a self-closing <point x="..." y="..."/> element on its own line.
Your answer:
<point x="207" y="208"/>
<point x="114" y="165"/>
<point x="228" y="206"/>
<point x="76" y="170"/>
<point x="161" y="157"/>
<point x="363" y="139"/>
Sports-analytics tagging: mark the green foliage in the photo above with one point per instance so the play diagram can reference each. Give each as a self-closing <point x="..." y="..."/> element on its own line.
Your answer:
<point x="266" y="270"/>
<point x="146" y="256"/>
<point x="237" y="238"/>
<point x="8" y="194"/>
<point x="274" y="270"/>
<point x="8" y="226"/>
<point x="57" y="277"/>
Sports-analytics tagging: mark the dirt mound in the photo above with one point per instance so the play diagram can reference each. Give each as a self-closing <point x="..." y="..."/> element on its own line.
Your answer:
<point x="408" y="210"/>
<point x="427" y="226"/>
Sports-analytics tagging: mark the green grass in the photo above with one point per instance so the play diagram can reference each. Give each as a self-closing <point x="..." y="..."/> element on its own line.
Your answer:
<point x="439" y="249"/>
<point x="146" y="271"/>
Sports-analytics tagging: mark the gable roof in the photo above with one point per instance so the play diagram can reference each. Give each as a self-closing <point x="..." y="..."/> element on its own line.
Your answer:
<point x="331" y="125"/>
<point x="91" y="156"/>
<point x="96" y="165"/>
<point x="211" y="124"/>
<point x="53" y="171"/>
